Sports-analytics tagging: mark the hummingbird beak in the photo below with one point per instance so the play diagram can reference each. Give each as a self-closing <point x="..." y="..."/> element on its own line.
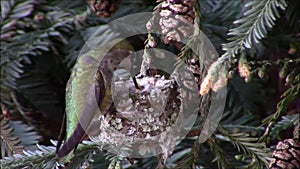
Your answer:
<point x="137" y="86"/>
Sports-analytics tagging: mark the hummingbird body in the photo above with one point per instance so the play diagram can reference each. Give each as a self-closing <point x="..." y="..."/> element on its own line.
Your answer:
<point x="88" y="93"/>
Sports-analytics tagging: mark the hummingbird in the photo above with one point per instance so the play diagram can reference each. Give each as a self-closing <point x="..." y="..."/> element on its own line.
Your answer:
<point x="88" y="94"/>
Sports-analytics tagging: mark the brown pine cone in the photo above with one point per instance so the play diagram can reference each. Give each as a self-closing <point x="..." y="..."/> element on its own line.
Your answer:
<point x="104" y="8"/>
<point x="177" y="19"/>
<point x="286" y="155"/>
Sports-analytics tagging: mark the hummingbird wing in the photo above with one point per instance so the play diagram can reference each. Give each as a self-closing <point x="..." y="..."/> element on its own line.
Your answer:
<point x="82" y="105"/>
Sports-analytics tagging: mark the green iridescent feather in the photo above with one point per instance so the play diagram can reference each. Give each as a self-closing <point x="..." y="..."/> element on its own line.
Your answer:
<point x="83" y="79"/>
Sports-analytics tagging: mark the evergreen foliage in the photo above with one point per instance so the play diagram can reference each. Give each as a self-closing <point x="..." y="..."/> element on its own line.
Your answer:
<point x="40" y="42"/>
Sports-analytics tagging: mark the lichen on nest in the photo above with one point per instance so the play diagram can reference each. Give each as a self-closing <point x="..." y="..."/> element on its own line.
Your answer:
<point x="138" y="116"/>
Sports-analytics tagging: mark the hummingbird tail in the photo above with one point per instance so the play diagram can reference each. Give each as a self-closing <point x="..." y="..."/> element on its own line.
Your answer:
<point x="71" y="143"/>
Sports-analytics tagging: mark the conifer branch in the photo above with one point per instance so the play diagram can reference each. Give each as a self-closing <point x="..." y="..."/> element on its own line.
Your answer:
<point x="248" y="145"/>
<point x="259" y="16"/>
<point x="44" y="157"/>
<point x="10" y="144"/>
<point x="287" y="97"/>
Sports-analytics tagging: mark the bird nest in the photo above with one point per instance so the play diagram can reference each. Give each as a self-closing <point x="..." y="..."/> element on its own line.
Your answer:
<point x="144" y="112"/>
